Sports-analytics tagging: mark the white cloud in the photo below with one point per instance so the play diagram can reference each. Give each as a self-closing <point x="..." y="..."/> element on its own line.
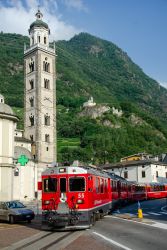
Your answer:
<point x="17" y="18"/>
<point x="78" y="4"/>
<point x="164" y="84"/>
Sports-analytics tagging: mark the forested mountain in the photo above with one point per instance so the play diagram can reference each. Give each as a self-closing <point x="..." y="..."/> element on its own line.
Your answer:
<point x="89" y="66"/>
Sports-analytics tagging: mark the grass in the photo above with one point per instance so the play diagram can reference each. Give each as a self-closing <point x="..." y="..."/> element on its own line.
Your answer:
<point x="68" y="142"/>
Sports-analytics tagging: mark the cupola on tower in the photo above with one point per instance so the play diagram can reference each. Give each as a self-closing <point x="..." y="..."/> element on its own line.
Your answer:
<point x="40" y="93"/>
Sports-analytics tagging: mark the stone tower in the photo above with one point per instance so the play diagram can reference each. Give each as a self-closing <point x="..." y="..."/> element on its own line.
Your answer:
<point x="40" y="93"/>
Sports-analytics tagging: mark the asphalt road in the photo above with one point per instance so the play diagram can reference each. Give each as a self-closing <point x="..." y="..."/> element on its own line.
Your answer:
<point x="130" y="234"/>
<point x="113" y="232"/>
<point x="152" y="209"/>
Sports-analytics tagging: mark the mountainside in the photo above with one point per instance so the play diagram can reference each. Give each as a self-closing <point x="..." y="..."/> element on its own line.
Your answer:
<point x="89" y="66"/>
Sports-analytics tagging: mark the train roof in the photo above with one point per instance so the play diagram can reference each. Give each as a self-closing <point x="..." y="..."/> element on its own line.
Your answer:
<point x="156" y="183"/>
<point x="75" y="170"/>
<point x="117" y="177"/>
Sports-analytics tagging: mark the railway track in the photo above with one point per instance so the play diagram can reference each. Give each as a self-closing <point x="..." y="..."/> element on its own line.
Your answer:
<point x="46" y="240"/>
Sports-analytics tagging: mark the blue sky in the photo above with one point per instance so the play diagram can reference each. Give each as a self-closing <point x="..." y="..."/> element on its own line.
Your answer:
<point x="139" y="27"/>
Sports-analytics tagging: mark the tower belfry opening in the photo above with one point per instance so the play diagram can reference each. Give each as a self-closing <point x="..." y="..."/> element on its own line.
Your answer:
<point x="39" y="15"/>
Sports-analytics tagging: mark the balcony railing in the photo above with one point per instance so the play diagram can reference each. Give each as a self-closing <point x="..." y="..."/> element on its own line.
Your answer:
<point x="37" y="45"/>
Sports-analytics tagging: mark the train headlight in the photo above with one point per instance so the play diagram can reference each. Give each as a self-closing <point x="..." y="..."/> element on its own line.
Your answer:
<point x="46" y="202"/>
<point x="80" y="201"/>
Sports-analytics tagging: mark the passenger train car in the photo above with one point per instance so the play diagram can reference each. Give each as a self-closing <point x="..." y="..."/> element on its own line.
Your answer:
<point x="75" y="197"/>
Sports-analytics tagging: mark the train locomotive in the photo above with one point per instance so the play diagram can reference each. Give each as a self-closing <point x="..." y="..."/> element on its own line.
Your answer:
<point x="74" y="197"/>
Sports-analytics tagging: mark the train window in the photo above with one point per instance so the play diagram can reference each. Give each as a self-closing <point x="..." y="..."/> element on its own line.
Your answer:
<point x="97" y="185"/>
<point x="105" y="186"/>
<point x="50" y="185"/>
<point x="143" y="174"/>
<point x="101" y="186"/>
<point x="114" y="186"/>
<point x="62" y="185"/>
<point x="139" y="188"/>
<point x="77" y="184"/>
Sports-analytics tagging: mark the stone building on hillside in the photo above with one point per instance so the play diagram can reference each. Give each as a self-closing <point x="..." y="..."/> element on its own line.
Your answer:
<point x="89" y="103"/>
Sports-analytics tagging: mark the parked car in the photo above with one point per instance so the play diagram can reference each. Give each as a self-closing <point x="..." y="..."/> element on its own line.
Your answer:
<point x="14" y="211"/>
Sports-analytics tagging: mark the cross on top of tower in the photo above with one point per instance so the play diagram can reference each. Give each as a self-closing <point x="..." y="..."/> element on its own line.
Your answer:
<point x="39" y="15"/>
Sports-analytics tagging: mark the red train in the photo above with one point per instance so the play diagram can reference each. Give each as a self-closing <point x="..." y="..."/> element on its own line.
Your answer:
<point x="75" y="197"/>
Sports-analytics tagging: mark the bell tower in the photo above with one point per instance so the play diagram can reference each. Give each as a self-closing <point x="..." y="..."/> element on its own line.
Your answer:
<point x="40" y="93"/>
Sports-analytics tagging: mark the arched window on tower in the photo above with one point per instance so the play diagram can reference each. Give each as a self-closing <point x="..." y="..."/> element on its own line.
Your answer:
<point x="31" y="101"/>
<point x="45" y="40"/>
<point x="39" y="39"/>
<point x="31" y="118"/>
<point x="31" y="66"/>
<point x="46" y="66"/>
<point x="31" y="84"/>
<point x="31" y="138"/>
<point x="47" y="120"/>
<point x="46" y="84"/>
<point x="47" y="139"/>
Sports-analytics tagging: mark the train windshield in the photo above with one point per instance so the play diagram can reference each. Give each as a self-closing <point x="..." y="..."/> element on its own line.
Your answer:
<point x="77" y="184"/>
<point x="50" y="185"/>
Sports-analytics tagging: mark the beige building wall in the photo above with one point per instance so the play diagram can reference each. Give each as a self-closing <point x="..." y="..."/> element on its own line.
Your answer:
<point x="7" y="141"/>
<point x="7" y="127"/>
<point x="143" y="173"/>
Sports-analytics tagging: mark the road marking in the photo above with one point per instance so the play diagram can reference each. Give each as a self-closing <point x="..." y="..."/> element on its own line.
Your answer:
<point x="123" y="214"/>
<point x="153" y="223"/>
<point x="160" y="225"/>
<point x="130" y="214"/>
<point x="164" y="208"/>
<point x="154" y="213"/>
<point x="163" y="212"/>
<point x="112" y="241"/>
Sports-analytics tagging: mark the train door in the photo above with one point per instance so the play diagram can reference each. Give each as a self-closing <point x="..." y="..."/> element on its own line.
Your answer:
<point x="63" y="189"/>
